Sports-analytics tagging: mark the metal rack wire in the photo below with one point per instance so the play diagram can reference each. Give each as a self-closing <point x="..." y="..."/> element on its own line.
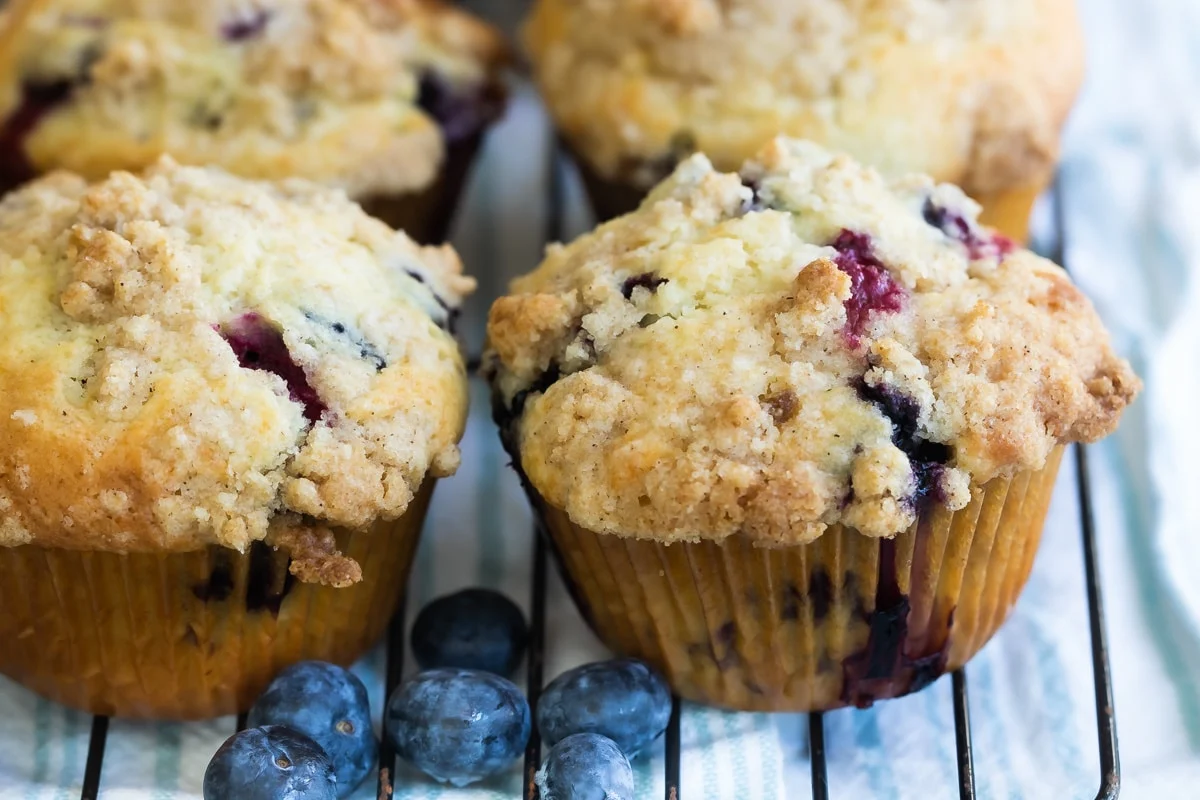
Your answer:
<point x="1110" y="773"/>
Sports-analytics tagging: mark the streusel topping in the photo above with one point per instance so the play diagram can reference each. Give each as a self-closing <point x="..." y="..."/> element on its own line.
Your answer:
<point x="349" y="93"/>
<point x="970" y="91"/>
<point x="794" y="346"/>
<point x="190" y="358"/>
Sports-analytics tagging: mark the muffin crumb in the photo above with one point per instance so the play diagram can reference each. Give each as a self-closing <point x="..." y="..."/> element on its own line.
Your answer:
<point x="315" y="557"/>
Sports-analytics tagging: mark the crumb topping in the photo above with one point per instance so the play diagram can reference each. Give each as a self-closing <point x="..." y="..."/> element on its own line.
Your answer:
<point x="796" y="345"/>
<point x="348" y="93"/>
<point x="970" y="91"/>
<point x="192" y="358"/>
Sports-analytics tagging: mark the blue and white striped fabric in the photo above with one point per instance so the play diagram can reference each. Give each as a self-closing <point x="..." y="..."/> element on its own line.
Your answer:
<point x="1132" y="184"/>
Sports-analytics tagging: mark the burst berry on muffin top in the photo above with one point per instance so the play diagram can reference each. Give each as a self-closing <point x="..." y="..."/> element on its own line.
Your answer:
<point x="189" y="358"/>
<point x="364" y="95"/>
<point x="796" y="345"/>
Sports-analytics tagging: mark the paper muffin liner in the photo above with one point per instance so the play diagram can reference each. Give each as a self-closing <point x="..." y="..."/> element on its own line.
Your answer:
<point x="846" y="620"/>
<point x="610" y="198"/>
<point x="426" y="215"/>
<point x="190" y="635"/>
<point x="1008" y="212"/>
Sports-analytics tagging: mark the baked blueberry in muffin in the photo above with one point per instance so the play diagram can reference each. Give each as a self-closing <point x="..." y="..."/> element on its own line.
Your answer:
<point x="387" y="100"/>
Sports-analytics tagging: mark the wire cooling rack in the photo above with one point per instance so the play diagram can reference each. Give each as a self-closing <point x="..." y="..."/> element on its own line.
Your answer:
<point x="1110" y="770"/>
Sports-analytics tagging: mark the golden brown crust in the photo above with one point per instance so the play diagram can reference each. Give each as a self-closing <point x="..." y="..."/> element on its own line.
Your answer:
<point x="188" y="358"/>
<point x="973" y="91"/>
<point x="321" y="89"/>
<point x="313" y="556"/>
<point x="797" y="346"/>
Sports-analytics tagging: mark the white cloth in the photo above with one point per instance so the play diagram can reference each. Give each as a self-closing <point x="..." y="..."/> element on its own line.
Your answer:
<point x="1131" y="181"/>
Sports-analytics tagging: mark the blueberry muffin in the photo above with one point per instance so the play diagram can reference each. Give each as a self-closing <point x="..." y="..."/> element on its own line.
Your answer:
<point x="223" y="407"/>
<point x="386" y="99"/>
<point x="973" y="92"/>
<point x="794" y="430"/>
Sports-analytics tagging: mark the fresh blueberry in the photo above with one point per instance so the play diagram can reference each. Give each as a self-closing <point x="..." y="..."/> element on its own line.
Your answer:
<point x="328" y="704"/>
<point x="270" y="763"/>
<point x="471" y="629"/>
<point x="586" y="766"/>
<point x="623" y="699"/>
<point x="458" y="725"/>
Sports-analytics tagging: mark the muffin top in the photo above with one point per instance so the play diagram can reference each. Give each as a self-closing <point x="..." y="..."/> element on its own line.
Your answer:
<point x="364" y="95"/>
<point x="969" y="91"/>
<point x="794" y="346"/>
<point x="190" y="358"/>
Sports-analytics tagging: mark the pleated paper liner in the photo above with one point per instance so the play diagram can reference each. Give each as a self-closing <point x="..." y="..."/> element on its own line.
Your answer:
<point x="1010" y="211"/>
<point x="610" y="198"/>
<point x="1007" y="211"/>
<point x="845" y="620"/>
<point x="426" y="215"/>
<point x="190" y="635"/>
